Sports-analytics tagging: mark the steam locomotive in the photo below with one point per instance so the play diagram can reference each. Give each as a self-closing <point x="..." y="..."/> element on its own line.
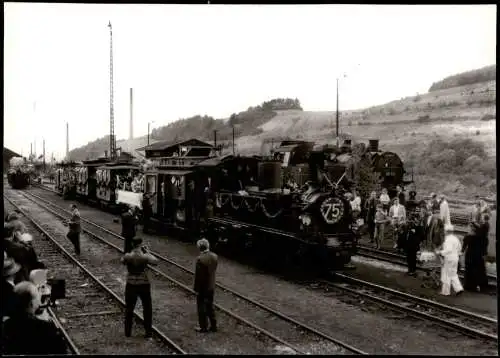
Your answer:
<point x="20" y="173"/>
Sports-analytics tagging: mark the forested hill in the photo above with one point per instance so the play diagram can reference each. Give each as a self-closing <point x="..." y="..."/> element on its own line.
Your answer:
<point x="202" y="127"/>
<point x="484" y="74"/>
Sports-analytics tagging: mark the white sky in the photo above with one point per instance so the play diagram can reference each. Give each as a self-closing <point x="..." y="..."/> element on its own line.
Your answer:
<point x="184" y="60"/>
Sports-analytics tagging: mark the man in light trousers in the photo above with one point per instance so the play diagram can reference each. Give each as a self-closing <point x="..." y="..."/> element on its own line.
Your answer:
<point x="452" y="247"/>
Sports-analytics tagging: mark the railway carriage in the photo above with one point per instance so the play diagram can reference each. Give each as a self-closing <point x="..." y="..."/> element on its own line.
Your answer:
<point x="175" y="183"/>
<point x="112" y="184"/>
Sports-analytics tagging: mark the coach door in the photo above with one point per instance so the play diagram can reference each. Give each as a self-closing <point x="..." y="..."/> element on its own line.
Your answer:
<point x="150" y="188"/>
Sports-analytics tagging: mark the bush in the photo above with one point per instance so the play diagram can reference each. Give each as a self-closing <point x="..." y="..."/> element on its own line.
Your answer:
<point x="488" y="117"/>
<point x="424" y="119"/>
<point x="484" y="74"/>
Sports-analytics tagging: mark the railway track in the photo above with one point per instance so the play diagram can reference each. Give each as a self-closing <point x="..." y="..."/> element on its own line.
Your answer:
<point x="91" y="316"/>
<point x="298" y="336"/>
<point x="468" y="323"/>
<point x="398" y="259"/>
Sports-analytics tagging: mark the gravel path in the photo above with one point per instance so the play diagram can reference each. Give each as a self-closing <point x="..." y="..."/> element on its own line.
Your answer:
<point x="356" y="323"/>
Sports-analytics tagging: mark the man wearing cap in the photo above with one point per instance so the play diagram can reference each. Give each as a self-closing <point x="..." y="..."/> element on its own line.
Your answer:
<point x="147" y="212"/>
<point x="452" y="248"/>
<point x="74" y="228"/>
<point x="204" y="285"/>
<point x="10" y="269"/>
<point x="138" y="285"/>
<point x="129" y="222"/>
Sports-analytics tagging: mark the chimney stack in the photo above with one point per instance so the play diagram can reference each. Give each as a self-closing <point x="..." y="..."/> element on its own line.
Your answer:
<point x="131" y="116"/>
<point x="67" y="140"/>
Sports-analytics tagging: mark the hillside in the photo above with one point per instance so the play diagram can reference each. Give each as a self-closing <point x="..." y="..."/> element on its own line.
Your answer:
<point x="485" y="74"/>
<point x="449" y="118"/>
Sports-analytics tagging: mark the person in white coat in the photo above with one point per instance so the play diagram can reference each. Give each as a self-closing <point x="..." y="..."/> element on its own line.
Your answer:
<point x="452" y="247"/>
<point x="444" y="210"/>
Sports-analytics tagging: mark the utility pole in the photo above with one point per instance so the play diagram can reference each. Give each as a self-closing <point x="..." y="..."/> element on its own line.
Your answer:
<point x="215" y="139"/>
<point x="337" y="116"/>
<point x="44" y="155"/>
<point x="131" y="135"/>
<point x="112" y="142"/>
<point x="67" y="141"/>
<point x="31" y="150"/>
<point x="233" y="140"/>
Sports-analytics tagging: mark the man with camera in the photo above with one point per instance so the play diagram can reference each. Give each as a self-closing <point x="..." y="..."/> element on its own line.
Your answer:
<point x="129" y="222"/>
<point x="24" y="333"/>
<point x="138" y="285"/>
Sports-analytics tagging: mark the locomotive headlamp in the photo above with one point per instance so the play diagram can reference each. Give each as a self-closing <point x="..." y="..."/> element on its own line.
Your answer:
<point x="306" y="219"/>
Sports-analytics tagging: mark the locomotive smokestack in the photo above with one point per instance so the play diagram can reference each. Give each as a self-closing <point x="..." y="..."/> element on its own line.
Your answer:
<point x="373" y="145"/>
<point x="131" y="116"/>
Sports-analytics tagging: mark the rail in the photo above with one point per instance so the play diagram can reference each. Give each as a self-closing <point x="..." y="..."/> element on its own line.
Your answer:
<point x="421" y="307"/>
<point x="180" y="284"/>
<point x="47" y="235"/>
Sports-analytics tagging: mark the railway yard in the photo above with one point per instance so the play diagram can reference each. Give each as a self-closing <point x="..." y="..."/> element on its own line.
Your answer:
<point x="371" y="308"/>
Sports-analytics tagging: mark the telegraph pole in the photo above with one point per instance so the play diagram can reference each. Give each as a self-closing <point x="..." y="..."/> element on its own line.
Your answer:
<point x="44" y="155"/>
<point x="337" y="115"/>
<point x="233" y="140"/>
<point x="112" y="142"/>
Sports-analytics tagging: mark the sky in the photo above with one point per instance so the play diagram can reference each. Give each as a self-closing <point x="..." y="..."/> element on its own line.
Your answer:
<point x="183" y="60"/>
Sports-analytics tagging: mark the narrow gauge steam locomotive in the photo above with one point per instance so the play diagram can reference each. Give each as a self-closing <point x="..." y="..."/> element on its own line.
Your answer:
<point x="20" y="173"/>
<point x="252" y="208"/>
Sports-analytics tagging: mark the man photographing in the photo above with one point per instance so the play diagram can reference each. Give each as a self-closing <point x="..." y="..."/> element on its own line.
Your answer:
<point x="138" y="285"/>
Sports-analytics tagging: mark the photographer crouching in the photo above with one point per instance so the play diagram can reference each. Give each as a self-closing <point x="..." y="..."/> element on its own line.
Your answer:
<point x="24" y="332"/>
<point x="138" y="285"/>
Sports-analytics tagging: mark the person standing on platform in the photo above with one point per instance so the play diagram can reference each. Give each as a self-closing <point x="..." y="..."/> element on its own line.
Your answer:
<point x="476" y="249"/>
<point x="444" y="210"/>
<point x="129" y="222"/>
<point x="449" y="271"/>
<point x="204" y="285"/>
<point x="371" y="209"/>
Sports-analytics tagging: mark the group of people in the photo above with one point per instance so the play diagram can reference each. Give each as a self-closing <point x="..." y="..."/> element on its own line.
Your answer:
<point x="26" y="327"/>
<point x="130" y="183"/>
<point x="138" y="256"/>
<point x="426" y="225"/>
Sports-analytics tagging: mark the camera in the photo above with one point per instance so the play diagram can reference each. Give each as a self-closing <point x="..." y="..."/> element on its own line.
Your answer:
<point x="51" y="289"/>
<point x="145" y="249"/>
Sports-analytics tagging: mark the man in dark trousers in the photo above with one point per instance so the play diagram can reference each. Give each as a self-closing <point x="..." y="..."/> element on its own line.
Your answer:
<point x="129" y="222"/>
<point x="476" y="248"/>
<point x="74" y="228"/>
<point x="204" y="285"/>
<point x="371" y="208"/>
<point x="414" y="236"/>
<point x="138" y="285"/>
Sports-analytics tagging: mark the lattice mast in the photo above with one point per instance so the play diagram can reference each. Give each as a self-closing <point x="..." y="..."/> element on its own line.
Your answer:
<point x="112" y="139"/>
